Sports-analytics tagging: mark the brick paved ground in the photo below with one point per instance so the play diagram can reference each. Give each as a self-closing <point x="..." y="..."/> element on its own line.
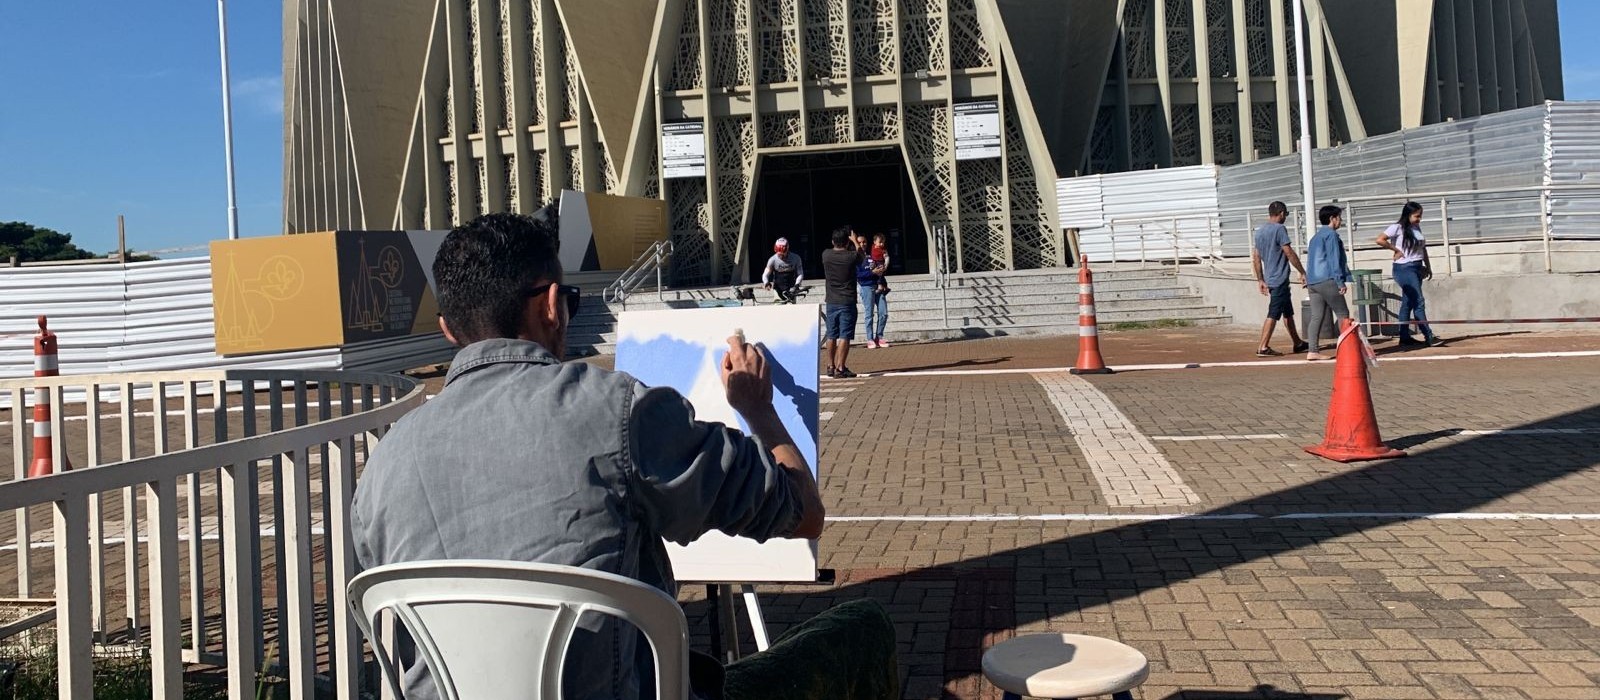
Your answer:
<point x="1275" y="605"/>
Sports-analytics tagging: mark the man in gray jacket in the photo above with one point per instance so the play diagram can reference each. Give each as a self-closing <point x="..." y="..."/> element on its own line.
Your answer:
<point x="522" y="457"/>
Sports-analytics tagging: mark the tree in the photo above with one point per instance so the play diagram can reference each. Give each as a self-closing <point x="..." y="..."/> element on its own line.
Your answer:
<point x="31" y="243"/>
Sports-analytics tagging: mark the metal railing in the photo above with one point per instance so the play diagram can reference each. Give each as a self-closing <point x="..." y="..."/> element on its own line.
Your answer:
<point x="1460" y="224"/>
<point x="1162" y="240"/>
<point x="258" y="492"/>
<point x="941" y="269"/>
<point x="653" y="260"/>
<point x="1536" y="224"/>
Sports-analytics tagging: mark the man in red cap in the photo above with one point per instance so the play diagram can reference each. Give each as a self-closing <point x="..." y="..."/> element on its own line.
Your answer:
<point x="783" y="273"/>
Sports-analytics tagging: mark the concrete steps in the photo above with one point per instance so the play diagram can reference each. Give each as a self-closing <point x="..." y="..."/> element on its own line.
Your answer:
<point x="987" y="304"/>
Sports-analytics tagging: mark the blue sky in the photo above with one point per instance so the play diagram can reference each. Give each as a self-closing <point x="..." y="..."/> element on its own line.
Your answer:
<point x="115" y="107"/>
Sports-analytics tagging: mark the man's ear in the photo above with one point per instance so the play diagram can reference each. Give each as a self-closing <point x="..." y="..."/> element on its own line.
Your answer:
<point x="446" y="330"/>
<point x="545" y="309"/>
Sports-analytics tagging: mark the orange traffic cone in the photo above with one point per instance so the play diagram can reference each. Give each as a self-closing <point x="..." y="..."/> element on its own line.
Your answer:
<point x="45" y="364"/>
<point x="1352" y="431"/>
<point x="1089" y="360"/>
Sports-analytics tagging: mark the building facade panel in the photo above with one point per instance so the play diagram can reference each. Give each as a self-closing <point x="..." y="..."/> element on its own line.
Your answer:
<point x="498" y="105"/>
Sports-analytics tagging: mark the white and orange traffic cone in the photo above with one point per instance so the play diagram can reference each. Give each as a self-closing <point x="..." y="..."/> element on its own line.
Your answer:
<point x="1089" y="360"/>
<point x="1352" y="434"/>
<point x="45" y="364"/>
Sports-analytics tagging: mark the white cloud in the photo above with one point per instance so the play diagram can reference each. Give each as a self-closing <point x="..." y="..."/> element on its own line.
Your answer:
<point x="263" y="94"/>
<point x="782" y="325"/>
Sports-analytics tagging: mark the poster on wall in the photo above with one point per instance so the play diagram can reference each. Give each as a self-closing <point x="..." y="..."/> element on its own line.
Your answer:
<point x="683" y="149"/>
<point x="977" y="130"/>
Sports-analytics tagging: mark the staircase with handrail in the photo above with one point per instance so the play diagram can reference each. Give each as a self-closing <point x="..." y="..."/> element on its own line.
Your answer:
<point x="654" y="259"/>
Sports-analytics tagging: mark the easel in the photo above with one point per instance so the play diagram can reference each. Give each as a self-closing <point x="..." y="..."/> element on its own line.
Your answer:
<point x="724" y="616"/>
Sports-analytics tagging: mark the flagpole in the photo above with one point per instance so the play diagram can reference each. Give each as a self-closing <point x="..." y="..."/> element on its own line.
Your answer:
<point x="1310" y="216"/>
<point x="227" y="119"/>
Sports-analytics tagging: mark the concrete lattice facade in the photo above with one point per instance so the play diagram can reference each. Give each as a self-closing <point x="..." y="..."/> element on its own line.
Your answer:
<point x="424" y="113"/>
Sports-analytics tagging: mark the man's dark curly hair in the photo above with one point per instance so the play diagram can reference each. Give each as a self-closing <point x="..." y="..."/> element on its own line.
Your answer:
<point x="487" y="267"/>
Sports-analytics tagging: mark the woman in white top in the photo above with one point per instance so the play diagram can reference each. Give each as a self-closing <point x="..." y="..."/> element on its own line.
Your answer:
<point x="1404" y="238"/>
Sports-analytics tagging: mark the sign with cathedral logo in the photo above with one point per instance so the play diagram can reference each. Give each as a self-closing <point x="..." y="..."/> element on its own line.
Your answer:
<point x="384" y="291"/>
<point x="319" y="290"/>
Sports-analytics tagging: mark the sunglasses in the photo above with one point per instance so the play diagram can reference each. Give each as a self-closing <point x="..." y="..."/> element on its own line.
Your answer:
<point x="570" y="292"/>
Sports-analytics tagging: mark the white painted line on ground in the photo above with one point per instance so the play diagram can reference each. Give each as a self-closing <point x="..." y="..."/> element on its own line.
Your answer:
<point x="1056" y="517"/>
<point x="1140" y="517"/>
<point x="1530" y="431"/>
<point x="1130" y="469"/>
<point x="825" y="415"/>
<point x="1194" y="438"/>
<point x="831" y="399"/>
<point x="1243" y="363"/>
<point x="839" y="390"/>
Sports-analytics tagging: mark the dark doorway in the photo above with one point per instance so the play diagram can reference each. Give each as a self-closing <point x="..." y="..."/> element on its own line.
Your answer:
<point x="804" y="197"/>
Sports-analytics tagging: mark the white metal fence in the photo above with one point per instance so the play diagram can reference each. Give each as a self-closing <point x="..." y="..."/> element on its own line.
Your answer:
<point x="218" y="534"/>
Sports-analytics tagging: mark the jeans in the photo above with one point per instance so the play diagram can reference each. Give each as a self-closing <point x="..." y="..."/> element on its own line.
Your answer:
<point x="872" y="301"/>
<point x="1325" y="297"/>
<point x="1412" y="305"/>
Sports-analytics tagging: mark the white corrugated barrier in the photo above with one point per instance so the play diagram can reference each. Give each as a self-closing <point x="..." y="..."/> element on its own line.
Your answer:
<point x="1184" y="199"/>
<point x="154" y="316"/>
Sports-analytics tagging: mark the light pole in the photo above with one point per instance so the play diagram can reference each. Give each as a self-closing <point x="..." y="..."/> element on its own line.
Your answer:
<point x="1305" y="121"/>
<point x="227" y="119"/>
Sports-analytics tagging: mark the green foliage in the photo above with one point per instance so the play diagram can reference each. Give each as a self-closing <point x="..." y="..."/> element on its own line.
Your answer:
<point x="1148" y="325"/>
<point x="122" y="677"/>
<point x="125" y="677"/>
<point x="31" y="243"/>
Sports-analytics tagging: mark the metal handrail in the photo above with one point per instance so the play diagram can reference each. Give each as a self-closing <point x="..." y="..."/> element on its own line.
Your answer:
<point x="653" y="259"/>
<point x="1438" y="203"/>
<point x="1209" y="253"/>
<point x="298" y="433"/>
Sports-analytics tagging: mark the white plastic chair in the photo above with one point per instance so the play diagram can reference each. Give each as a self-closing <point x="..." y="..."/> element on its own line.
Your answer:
<point x="499" y="629"/>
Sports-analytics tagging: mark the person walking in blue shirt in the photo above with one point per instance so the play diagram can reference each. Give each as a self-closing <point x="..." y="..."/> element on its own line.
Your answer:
<point x="1327" y="277"/>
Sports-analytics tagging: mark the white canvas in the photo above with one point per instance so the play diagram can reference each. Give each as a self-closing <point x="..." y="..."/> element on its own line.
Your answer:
<point x="683" y="349"/>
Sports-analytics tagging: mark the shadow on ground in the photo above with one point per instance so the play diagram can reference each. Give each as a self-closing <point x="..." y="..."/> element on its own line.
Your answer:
<point x="1075" y="573"/>
<point x="1260" y="692"/>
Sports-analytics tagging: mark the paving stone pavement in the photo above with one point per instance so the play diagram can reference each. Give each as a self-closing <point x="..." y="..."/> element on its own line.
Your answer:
<point x="1129" y="468"/>
<point x="1316" y="580"/>
<point x="968" y="506"/>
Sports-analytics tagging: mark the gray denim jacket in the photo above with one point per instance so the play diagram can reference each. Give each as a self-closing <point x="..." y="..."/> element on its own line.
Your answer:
<point x="521" y="457"/>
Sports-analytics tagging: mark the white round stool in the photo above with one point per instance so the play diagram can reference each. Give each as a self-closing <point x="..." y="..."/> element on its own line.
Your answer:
<point x="1064" y="667"/>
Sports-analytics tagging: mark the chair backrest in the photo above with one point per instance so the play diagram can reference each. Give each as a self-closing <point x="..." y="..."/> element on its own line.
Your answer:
<point x="500" y="629"/>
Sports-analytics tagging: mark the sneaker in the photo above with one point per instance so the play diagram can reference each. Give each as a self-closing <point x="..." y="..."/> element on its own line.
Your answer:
<point x="1315" y="357"/>
<point x="1267" y="352"/>
<point x="1301" y="346"/>
<point x="844" y="373"/>
<point x="1407" y="341"/>
<point x="1434" y="341"/>
<point x="832" y="374"/>
<point x="882" y="343"/>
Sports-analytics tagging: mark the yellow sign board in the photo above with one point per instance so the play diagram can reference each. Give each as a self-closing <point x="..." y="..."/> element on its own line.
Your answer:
<point x="318" y="290"/>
